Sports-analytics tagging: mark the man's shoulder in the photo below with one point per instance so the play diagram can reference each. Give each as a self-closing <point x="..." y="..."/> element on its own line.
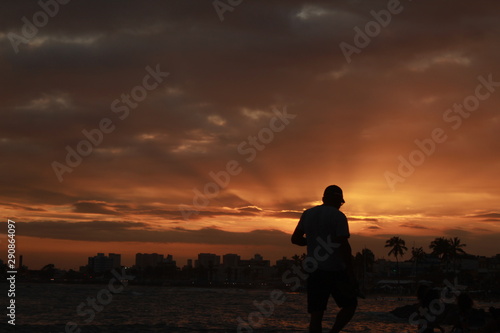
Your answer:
<point x="324" y="208"/>
<point x="314" y="209"/>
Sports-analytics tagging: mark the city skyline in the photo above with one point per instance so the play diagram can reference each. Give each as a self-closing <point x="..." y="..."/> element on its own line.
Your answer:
<point x="131" y="260"/>
<point x="178" y="128"/>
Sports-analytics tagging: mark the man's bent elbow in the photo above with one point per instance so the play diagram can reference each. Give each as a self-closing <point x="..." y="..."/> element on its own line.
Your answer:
<point x="298" y="240"/>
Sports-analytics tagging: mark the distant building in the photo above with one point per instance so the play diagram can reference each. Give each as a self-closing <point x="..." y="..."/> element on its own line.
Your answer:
<point x="143" y="260"/>
<point x="117" y="259"/>
<point x="230" y="260"/>
<point x="169" y="261"/>
<point x="469" y="263"/>
<point x="256" y="261"/>
<point x="102" y="263"/>
<point x="207" y="260"/>
<point x="230" y="267"/>
<point x="255" y="268"/>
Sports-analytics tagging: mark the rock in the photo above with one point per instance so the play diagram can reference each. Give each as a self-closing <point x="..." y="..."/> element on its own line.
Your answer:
<point x="404" y="312"/>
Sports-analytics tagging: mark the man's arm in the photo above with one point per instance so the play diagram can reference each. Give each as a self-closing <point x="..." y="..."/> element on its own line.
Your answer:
<point x="342" y="228"/>
<point x="298" y="236"/>
<point x="346" y="254"/>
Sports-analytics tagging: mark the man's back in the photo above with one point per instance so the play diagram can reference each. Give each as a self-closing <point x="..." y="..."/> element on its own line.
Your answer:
<point x="322" y="225"/>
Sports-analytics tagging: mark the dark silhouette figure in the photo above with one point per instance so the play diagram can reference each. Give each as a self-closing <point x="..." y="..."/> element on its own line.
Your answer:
<point x="329" y="253"/>
<point x="464" y="303"/>
<point x="467" y="319"/>
<point x="425" y="296"/>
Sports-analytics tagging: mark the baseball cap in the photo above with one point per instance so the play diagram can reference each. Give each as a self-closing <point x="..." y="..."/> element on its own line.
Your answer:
<point x="333" y="191"/>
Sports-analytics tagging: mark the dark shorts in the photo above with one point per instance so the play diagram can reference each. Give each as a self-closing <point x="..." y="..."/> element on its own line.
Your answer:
<point x="322" y="284"/>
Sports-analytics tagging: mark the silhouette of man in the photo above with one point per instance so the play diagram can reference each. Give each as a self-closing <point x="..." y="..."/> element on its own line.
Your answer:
<point x="327" y="234"/>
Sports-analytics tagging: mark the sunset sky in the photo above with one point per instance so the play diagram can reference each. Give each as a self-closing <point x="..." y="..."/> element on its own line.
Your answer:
<point x="267" y="92"/>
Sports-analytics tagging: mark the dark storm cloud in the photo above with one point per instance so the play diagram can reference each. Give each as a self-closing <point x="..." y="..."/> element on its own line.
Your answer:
<point x="200" y="214"/>
<point x="373" y="227"/>
<point x="93" y="208"/>
<point x="13" y="206"/>
<point x="103" y="231"/>
<point x="491" y="217"/>
<point x="412" y="226"/>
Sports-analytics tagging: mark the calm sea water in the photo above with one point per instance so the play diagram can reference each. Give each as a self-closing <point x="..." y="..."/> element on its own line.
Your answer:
<point x="48" y="307"/>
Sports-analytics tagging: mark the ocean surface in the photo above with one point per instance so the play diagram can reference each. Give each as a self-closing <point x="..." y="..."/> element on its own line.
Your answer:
<point x="49" y="307"/>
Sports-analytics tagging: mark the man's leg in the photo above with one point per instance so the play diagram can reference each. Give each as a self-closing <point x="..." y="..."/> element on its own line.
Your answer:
<point x="318" y="292"/>
<point x="343" y="317"/>
<point x="344" y="293"/>
<point x="315" y="324"/>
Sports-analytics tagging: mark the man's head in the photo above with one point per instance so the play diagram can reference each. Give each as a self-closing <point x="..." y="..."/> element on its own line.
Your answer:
<point x="333" y="196"/>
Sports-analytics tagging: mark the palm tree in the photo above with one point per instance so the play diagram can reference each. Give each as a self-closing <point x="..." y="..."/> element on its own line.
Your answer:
<point x="398" y="249"/>
<point x="364" y="263"/>
<point x="456" y="250"/>
<point x="369" y="258"/>
<point x="417" y="255"/>
<point x="441" y="248"/>
<point x="297" y="260"/>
